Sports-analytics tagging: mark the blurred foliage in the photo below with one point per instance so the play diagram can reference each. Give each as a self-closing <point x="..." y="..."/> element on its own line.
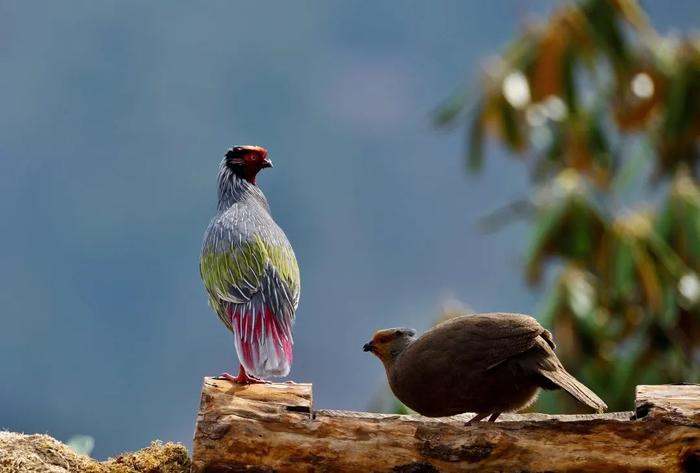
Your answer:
<point x="606" y="113"/>
<point x="81" y="444"/>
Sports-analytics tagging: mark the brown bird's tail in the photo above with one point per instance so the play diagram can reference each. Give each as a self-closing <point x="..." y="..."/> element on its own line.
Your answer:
<point x="562" y="379"/>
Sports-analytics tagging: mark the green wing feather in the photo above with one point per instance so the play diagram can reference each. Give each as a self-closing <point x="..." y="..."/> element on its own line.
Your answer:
<point x="236" y="274"/>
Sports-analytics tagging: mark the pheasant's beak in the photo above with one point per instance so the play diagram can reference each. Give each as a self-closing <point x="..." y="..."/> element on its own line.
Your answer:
<point x="369" y="346"/>
<point x="267" y="163"/>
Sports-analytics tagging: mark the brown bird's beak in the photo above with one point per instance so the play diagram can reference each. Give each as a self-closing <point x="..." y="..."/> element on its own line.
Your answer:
<point x="267" y="163"/>
<point x="369" y="346"/>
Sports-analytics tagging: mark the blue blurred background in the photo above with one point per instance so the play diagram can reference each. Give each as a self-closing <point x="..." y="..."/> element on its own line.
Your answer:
<point x="113" y="119"/>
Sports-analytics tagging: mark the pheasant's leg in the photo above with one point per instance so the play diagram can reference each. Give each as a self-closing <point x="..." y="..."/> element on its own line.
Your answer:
<point x="477" y="418"/>
<point x="242" y="378"/>
<point x="494" y="416"/>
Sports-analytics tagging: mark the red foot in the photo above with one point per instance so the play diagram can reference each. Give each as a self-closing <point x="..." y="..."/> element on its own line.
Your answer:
<point x="242" y="378"/>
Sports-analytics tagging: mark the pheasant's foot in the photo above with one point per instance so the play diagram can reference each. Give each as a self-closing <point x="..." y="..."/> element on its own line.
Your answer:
<point x="242" y="378"/>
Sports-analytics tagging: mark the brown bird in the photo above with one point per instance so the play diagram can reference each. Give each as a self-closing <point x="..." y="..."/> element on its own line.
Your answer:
<point x="483" y="363"/>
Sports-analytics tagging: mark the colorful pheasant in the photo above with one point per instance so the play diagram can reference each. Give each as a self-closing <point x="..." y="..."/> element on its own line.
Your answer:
<point x="249" y="270"/>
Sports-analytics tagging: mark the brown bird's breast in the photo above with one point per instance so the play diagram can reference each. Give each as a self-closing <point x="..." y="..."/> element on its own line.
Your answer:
<point x="476" y="363"/>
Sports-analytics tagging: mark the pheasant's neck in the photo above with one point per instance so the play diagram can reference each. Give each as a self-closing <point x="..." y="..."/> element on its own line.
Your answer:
<point x="393" y="357"/>
<point x="233" y="189"/>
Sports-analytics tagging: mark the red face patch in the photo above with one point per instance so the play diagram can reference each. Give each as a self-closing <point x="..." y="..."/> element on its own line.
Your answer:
<point x="249" y="160"/>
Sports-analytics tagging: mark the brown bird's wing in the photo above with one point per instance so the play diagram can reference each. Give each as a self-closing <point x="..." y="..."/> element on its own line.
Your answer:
<point x="497" y="337"/>
<point x="501" y="336"/>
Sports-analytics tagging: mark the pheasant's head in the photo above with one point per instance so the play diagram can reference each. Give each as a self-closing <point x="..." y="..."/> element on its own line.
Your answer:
<point x="246" y="161"/>
<point x="387" y="344"/>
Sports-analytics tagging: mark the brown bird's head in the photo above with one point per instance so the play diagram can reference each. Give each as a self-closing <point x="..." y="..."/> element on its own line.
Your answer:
<point x="246" y="161"/>
<point x="388" y="343"/>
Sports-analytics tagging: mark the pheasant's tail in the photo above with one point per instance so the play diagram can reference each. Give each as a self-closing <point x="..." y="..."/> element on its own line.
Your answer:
<point x="263" y="341"/>
<point x="562" y="379"/>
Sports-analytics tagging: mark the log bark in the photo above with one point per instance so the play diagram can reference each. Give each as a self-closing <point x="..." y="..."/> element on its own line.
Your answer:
<point x="274" y="428"/>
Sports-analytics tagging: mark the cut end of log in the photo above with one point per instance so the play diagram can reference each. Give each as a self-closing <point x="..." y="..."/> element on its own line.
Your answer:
<point x="668" y="399"/>
<point x="289" y="394"/>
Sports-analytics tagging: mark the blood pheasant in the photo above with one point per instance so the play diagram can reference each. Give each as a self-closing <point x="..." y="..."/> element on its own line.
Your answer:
<point x="249" y="269"/>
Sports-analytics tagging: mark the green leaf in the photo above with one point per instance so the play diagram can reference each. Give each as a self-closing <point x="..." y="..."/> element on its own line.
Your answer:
<point x="663" y="225"/>
<point x="548" y="221"/>
<point x="448" y="112"/>
<point x="597" y="140"/>
<point x="452" y="109"/>
<point x="509" y="125"/>
<point x="676" y="105"/>
<point x="692" y="228"/>
<point x="579" y="234"/>
<point x="668" y="257"/>
<point x="569" y="81"/>
<point x="648" y="275"/>
<point x="605" y="29"/>
<point x="670" y="308"/>
<point x="476" y="140"/>
<point x="556" y="148"/>
<point x="623" y="267"/>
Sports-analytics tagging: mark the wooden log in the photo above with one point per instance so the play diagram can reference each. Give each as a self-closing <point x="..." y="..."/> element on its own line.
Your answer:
<point x="668" y="399"/>
<point x="273" y="428"/>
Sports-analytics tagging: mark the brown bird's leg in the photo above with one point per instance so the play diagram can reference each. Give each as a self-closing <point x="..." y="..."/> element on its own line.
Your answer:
<point x="494" y="416"/>
<point x="477" y="418"/>
<point x="242" y="378"/>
